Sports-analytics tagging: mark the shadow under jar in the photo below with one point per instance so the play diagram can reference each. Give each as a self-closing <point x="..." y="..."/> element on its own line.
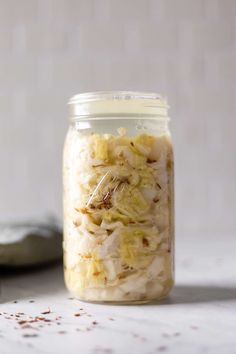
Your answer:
<point x="118" y="198"/>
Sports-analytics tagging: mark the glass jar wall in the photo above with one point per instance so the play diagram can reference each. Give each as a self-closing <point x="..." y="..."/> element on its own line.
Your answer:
<point x="118" y="198"/>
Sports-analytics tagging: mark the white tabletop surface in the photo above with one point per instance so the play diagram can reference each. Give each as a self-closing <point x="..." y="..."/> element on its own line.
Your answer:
<point x="198" y="317"/>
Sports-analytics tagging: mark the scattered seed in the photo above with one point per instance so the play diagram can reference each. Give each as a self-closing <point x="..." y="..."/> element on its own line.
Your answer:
<point x="194" y="327"/>
<point x="30" y="335"/>
<point x="28" y="326"/>
<point x="103" y="350"/>
<point x="176" y="334"/>
<point x="46" y="312"/>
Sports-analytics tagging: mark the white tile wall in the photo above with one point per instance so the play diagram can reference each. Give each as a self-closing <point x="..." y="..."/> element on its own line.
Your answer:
<point x="186" y="49"/>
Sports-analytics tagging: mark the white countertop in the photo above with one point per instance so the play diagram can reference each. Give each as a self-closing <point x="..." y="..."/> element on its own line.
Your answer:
<point x="198" y="317"/>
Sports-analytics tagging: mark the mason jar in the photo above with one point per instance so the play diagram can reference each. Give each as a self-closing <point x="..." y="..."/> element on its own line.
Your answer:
<point x="118" y="198"/>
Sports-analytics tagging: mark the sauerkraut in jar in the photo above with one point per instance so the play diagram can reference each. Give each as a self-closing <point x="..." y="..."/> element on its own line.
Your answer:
<point x="118" y="198"/>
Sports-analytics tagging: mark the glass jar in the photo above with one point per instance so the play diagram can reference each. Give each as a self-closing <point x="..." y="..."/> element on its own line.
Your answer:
<point x="118" y="198"/>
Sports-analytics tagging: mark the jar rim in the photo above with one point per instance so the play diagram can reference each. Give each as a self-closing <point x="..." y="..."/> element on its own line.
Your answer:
<point x="115" y="95"/>
<point x="112" y="104"/>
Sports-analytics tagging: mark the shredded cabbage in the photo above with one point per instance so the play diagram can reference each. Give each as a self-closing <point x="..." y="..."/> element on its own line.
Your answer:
<point x="118" y="216"/>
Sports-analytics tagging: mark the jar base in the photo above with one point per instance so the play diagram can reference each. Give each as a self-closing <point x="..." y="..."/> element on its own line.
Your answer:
<point x="126" y="302"/>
